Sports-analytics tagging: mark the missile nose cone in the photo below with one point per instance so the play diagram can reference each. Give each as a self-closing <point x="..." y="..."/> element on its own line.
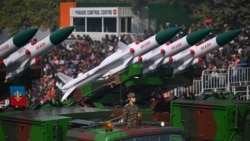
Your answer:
<point x="166" y="35"/>
<point x="226" y="37"/>
<point x="61" y="34"/>
<point x="24" y="37"/>
<point x="196" y="36"/>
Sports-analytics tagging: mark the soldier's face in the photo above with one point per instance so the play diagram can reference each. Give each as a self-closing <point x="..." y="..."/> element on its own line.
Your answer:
<point x="133" y="99"/>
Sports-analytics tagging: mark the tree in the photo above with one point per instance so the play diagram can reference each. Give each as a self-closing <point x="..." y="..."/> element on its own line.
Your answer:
<point x="234" y="13"/>
<point x="16" y="15"/>
<point x="137" y="5"/>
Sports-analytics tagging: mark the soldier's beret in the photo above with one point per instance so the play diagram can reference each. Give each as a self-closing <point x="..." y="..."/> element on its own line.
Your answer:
<point x="131" y="95"/>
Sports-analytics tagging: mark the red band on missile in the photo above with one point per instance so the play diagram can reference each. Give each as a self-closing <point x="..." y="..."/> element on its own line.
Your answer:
<point x="132" y="50"/>
<point x="200" y="42"/>
<point x="27" y="52"/>
<point x="140" y="59"/>
<point x="137" y="42"/>
<point x="33" y="41"/>
<point x="192" y="52"/>
<point x="170" y="59"/>
<point x="168" y="43"/>
<point x="2" y="63"/>
<point x="200" y="59"/>
<point x="37" y="60"/>
<point x="163" y="51"/>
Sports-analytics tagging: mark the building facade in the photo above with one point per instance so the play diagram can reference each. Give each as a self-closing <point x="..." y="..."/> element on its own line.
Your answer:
<point x="100" y="21"/>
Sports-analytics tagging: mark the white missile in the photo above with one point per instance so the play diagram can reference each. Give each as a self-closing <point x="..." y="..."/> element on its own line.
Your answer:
<point x="16" y="42"/>
<point x="141" y="48"/>
<point x="117" y="61"/>
<point x="190" y="56"/>
<point x="153" y="59"/>
<point x="22" y="58"/>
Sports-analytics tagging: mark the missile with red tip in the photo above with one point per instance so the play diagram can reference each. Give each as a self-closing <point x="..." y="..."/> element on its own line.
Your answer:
<point x="117" y="61"/>
<point x="153" y="59"/>
<point x="17" y="41"/>
<point x="22" y="58"/>
<point x="192" y="55"/>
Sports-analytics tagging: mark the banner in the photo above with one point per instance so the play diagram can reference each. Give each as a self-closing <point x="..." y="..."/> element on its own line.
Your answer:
<point x="94" y="12"/>
<point x="17" y="96"/>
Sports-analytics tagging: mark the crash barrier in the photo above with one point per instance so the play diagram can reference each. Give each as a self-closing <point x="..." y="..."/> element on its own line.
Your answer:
<point x="235" y="79"/>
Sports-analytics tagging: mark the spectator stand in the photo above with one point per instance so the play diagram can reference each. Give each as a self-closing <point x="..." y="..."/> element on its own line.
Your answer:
<point x="220" y="80"/>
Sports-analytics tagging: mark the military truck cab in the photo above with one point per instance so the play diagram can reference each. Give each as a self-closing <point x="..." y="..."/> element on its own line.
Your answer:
<point x="82" y="130"/>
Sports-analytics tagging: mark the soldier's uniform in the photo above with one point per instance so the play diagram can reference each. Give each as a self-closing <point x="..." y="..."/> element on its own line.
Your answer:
<point x="130" y="115"/>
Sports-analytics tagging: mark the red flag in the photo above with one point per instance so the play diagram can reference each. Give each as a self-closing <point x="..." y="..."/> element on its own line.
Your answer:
<point x="17" y="96"/>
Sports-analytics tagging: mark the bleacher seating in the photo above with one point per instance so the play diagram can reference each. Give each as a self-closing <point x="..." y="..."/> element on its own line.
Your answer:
<point x="231" y="80"/>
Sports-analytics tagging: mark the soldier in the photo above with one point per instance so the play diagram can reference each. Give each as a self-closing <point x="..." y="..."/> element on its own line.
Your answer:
<point x="130" y="111"/>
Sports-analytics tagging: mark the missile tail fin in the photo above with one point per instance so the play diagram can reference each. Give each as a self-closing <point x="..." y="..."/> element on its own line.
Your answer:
<point x="122" y="46"/>
<point x="156" y="64"/>
<point x="183" y="66"/>
<point x="123" y="65"/>
<point x="66" y="95"/>
<point x="17" y="67"/>
<point x="64" y="78"/>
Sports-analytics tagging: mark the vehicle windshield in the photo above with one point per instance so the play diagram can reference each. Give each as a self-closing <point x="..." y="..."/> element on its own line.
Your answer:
<point x="165" y="137"/>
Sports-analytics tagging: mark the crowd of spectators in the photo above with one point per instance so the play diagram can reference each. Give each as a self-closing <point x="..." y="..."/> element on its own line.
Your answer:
<point x="80" y="53"/>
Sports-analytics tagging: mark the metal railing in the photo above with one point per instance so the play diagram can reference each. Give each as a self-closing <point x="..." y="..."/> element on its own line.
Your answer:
<point x="239" y="74"/>
<point x="227" y="80"/>
<point x="214" y="80"/>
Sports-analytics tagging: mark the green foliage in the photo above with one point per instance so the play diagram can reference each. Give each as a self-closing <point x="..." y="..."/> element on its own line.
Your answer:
<point x="234" y="13"/>
<point x="168" y="13"/>
<point x="16" y="15"/>
<point x="137" y="5"/>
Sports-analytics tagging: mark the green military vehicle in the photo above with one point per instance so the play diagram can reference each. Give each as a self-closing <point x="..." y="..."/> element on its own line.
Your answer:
<point x="200" y="120"/>
<point x="212" y="120"/>
<point x="44" y="124"/>
<point x="192" y="120"/>
<point x="91" y="131"/>
<point x="80" y="124"/>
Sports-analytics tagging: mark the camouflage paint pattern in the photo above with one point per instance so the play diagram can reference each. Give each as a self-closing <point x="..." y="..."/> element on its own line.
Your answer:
<point x="113" y="91"/>
<point x="43" y="129"/>
<point x="100" y="134"/>
<point x="217" y="120"/>
<point x="44" y="125"/>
